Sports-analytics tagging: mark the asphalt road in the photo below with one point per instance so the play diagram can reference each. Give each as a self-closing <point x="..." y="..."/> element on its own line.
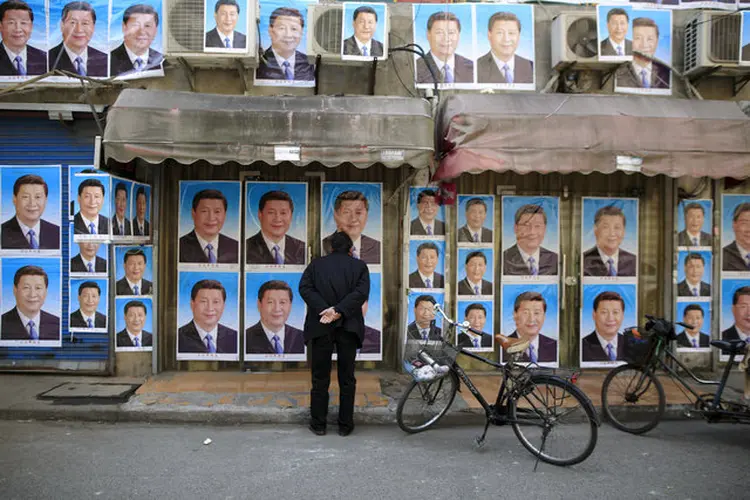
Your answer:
<point x="60" y="460"/>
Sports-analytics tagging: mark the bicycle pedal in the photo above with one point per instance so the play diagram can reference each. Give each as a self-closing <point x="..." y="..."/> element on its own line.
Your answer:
<point x="479" y="441"/>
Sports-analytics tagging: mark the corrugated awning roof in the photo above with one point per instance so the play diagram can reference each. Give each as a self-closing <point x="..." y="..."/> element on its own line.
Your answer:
<point x="585" y="133"/>
<point x="188" y="127"/>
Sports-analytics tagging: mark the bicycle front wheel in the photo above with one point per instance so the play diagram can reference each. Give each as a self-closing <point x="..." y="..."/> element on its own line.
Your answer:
<point x="554" y="420"/>
<point x="632" y="399"/>
<point x="424" y="403"/>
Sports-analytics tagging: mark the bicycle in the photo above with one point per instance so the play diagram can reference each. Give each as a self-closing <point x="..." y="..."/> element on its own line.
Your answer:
<point x="634" y="383"/>
<point x="535" y="402"/>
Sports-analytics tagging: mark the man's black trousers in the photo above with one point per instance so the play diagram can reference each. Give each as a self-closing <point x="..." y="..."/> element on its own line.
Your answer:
<point x="345" y="343"/>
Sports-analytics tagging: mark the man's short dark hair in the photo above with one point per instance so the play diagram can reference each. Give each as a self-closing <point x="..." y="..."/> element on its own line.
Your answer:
<point x="693" y="206"/>
<point x="341" y="242"/>
<point x="350" y="196"/>
<point x="476" y="306"/>
<point x="530" y="209"/>
<point x="608" y="296"/>
<point x="134" y="252"/>
<point x="134" y="303"/>
<point x="428" y="245"/>
<point x="30" y="179"/>
<point x="365" y="9"/>
<point x="30" y="271"/>
<point x="141" y="191"/>
<point x="233" y="3"/>
<point x="424" y="298"/>
<point x="91" y="183"/>
<point x="529" y="297"/>
<point x="209" y="194"/>
<point x="286" y="12"/>
<point x="208" y="285"/>
<point x="693" y="307"/>
<point x="475" y="201"/>
<point x="274" y="285"/>
<point x="121" y="187"/>
<point x="89" y="284"/>
<point x="611" y="210"/>
<point x="645" y="22"/>
<point x="739" y="210"/>
<point x="617" y="11"/>
<point x="694" y="256"/>
<point x="140" y="8"/>
<point x="503" y="16"/>
<point x="475" y="253"/>
<point x="78" y="6"/>
<point x="15" y="5"/>
<point x="443" y="16"/>
<point x="742" y="291"/>
<point x="275" y="196"/>
<point x="425" y="192"/>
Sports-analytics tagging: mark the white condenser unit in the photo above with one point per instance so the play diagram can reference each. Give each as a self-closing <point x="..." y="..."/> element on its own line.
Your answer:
<point x="185" y="33"/>
<point x="326" y="25"/>
<point x="712" y="44"/>
<point x="574" y="39"/>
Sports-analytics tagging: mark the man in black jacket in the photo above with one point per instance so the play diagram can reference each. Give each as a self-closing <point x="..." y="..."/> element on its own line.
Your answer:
<point x="334" y="288"/>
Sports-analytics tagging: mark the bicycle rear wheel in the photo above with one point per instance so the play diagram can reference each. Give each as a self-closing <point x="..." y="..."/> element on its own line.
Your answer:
<point x="632" y="400"/>
<point x="554" y="420"/>
<point x="424" y="403"/>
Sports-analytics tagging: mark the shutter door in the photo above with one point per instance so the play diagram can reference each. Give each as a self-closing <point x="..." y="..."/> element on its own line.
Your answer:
<point x="34" y="139"/>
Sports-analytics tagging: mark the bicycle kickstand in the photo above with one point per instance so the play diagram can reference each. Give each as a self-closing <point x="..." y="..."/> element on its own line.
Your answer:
<point x="480" y="440"/>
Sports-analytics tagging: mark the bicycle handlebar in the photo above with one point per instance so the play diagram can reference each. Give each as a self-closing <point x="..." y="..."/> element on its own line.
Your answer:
<point x="464" y="325"/>
<point x="680" y="323"/>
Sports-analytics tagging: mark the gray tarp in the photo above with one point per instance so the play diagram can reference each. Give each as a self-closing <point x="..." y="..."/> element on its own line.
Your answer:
<point x="585" y="133"/>
<point x="187" y="127"/>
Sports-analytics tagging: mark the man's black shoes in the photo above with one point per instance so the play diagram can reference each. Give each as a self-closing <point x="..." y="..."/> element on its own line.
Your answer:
<point x="317" y="431"/>
<point x="345" y="431"/>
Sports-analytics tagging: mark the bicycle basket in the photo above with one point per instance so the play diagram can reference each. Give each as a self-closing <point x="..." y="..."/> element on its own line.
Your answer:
<point x="429" y="360"/>
<point x="636" y="348"/>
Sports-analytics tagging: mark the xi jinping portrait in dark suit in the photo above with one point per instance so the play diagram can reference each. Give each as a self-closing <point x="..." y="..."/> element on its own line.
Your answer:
<point x="26" y="320"/>
<point x="88" y="221"/>
<point x="87" y="315"/>
<point x="443" y="34"/>
<point x="74" y="54"/>
<point x="26" y="230"/>
<point x="501" y="64"/>
<point x="140" y="25"/>
<point x="272" y="335"/>
<point x="362" y="43"/>
<point x="272" y="244"/>
<point x="736" y="255"/>
<point x="350" y="212"/>
<point x="17" y="57"/>
<point x="606" y="258"/>
<point x="204" y="333"/>
<point x="205" y="243"/>
<point x="224" y="35"/>
<point x="282" y="61"/>
<point x="527" y="257"/>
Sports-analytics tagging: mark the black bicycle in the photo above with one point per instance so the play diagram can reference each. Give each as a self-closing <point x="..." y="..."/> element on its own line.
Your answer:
<point x="551" y="417"/>
<point x="633" y="398"/>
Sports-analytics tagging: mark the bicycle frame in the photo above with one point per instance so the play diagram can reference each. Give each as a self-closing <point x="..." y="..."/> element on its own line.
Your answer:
<point x="658" y="357"/>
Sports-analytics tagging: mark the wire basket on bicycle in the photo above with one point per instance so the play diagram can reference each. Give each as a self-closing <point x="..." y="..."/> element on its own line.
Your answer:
<point x="429" y="357"/>
<point x="638" y="345"/>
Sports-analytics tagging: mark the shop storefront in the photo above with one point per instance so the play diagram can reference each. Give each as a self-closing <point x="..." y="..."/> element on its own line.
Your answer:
<point x="49" y="141"/>
<point x="571" y="176"/>
<point x="361" y="151"/>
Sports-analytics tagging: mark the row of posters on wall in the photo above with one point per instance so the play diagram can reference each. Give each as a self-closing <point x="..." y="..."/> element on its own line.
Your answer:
<point x="276" y="254"/>
<point x="470" y="45"/>
<point x="31" y="250"/>
<point x="529" y="293"/>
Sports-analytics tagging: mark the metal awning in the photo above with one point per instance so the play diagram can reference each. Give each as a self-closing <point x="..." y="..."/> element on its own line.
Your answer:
<point x="586" y="133"/>
<point x="188" y="127"/>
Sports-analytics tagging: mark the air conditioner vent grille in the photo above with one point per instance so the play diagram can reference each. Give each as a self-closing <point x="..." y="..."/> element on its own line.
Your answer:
<point x="185" y="26"/>
<point x="725" y="38"/>
<point x="327" y="30"/>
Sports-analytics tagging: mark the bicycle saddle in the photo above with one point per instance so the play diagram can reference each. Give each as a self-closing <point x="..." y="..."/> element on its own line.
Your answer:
<point x="517" y="347"/>
<point x="730" y="346"/>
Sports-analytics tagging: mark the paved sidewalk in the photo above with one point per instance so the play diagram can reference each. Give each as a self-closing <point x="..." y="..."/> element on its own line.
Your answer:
<point x="235" y="397"/>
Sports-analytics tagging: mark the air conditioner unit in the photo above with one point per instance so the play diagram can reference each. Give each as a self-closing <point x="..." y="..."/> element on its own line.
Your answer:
<point x="185" y="33"/>
<point x="575" y="39"/>
<point x="712" y="44"/>
<point x="324" y="35"/>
